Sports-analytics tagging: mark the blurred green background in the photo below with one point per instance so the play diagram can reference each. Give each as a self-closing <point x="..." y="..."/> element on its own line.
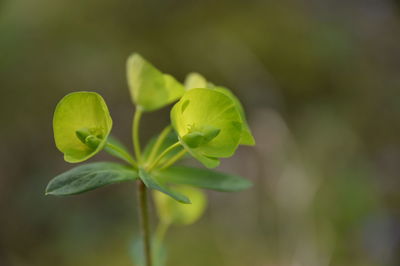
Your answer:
<point x="320" y="81"/>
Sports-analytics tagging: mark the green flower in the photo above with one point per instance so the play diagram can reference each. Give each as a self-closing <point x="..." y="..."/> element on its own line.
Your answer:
<point x="150" y="89"/>
<point x="195" y="80"/>
<point x="81" y="125"/>
<point x="208" y="125"/>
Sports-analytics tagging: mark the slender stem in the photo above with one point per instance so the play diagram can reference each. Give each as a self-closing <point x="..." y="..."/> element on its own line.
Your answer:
<point x="135" y="130"/>
<point x="159" y="142"/>
<point x="165" y="152"/>
<point x="159" y="234"/>
<point x="123" y="154"/>
<point x="144" y="221"/>
<point x="174" y="159"/>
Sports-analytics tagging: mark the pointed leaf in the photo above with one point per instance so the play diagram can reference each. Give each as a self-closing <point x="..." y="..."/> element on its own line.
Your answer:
<point x="202" y="178"/>
<point x="88" y="177"/>
<point x="153" y="183"/>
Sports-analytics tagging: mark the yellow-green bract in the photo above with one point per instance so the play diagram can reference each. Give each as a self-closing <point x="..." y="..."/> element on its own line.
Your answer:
<point x="150" y="89"/>
<point x="208" y="124"/>
<point x="81" y="125"/>
<point x="171" y="211"/>
<point x="195" y="80"/>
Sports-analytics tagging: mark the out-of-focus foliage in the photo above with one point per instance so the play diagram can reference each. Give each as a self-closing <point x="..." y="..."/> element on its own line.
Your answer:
<point x="171" y="212"/>
<point x="320" y="84"/>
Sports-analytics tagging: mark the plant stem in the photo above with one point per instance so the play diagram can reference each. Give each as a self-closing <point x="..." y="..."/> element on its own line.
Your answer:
<point x="159" y="142"/>
<point x="161" y="230"/>
<point x="159" y="235"/>
<point x="165" y="152"/>
<point x="175" y="158"/>
<point x="135" y="132"/>
<point x="121" y="154"/>
<point x="144" y="221"/>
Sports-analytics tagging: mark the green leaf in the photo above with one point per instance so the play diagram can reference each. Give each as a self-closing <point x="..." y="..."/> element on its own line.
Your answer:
<point x="202" y="178"/>
<point x="213" y="114"/>
<point x="88" y="177"/>
<point x="153" y="183"/>
<point x="150" y="89"/>
<point x="172" y="212"/>
<point x="81" y="125"/>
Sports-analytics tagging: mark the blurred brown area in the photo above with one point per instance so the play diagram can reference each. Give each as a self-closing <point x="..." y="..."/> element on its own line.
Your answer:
<point x="320" y="81"/>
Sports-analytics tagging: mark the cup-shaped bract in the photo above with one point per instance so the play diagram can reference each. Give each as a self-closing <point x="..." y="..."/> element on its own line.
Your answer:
<point x="196" y="80"/>
<point x="81" y="125"/>
<point x="208" y="125"/>
<point x="171" y="211"/>
<point x="246" y="137"/>
<point x="150" y="89"/>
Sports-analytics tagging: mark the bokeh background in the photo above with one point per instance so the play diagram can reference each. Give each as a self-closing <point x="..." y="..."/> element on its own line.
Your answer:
<point x="320" y="81"/>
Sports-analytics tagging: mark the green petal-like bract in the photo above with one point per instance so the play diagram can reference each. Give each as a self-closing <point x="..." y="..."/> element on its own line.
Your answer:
<point x="150" y="89"/>
<point x="215" y="117"/>
<point x="246" y="138"/>
<point x="195" y="80"/>
<point x="80" y="117"/>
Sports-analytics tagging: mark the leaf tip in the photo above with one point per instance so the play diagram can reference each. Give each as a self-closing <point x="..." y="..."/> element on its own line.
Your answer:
<point x="185" y="201"/>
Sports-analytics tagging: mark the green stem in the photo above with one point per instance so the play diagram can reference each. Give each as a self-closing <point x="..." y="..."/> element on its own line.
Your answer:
<point x="144" y="221"/>
<point x="159" y="142"/>
<point x="174" y="159"/>
<point x="135" y="131"/>
<point x="122" y="154"/>
<point x="165" y="152"/>
<point x="159" y="234"/>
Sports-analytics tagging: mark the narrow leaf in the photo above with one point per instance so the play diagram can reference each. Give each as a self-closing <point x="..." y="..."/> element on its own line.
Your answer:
<point x="88" y="177"/>
<point x="153" y="183"/>
<point x="202" y="178"/>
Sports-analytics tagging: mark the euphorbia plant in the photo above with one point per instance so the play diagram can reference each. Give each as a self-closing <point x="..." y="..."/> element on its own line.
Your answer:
<point x="207" y="123"/>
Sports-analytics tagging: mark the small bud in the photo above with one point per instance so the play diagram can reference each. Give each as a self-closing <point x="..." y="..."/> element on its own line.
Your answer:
<point x="82" y="134"/>
<point x="210" y="133"/>
<point x="92" y="141"/>
<point x="193" y="139"/>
